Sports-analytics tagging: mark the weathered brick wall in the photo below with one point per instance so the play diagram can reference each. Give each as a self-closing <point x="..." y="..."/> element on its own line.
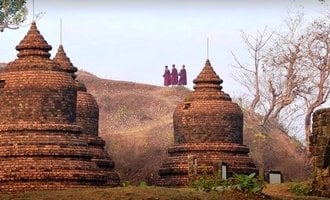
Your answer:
<point x="208" y="121"/>
<point x="320" y="149"/>
<point x="87" y="111"/>
<point x="175" y="171"/>
<point x="41" y="145"/>
<point x="37" y="97"/>
<point x="36" y="155"/>
<point x="209" y="128"/>
<point x="88" y="117"/>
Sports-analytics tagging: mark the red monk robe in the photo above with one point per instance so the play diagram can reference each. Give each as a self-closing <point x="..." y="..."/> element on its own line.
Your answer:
<point x="183" y="76"/>
<point x="167" y="76"/>
<point x="174" y="75"/>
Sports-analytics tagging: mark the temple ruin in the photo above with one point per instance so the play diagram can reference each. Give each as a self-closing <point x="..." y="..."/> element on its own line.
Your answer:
<point x="45" y="142"/>
<point x="320" y="150"/>
<point x="208" y="132"/>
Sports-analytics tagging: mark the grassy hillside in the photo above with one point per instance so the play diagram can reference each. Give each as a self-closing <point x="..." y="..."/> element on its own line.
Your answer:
<point x="273" y="148"/>
<point x="136" y="122"/>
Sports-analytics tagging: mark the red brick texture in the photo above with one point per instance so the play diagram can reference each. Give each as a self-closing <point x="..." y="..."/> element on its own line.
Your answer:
<point x="209" y="127"/>
<point x="41" y="144"/>
<point x="88" y="117"/>
<point x="320" y="149"/>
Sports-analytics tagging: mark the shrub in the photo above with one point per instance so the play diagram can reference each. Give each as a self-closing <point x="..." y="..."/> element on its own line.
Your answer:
<point x="239" y="182"/>
<point x="126" y="183"/>
<point x="247" y="183"/>
<point x="299" y="189"/>
<point x="208" y="183"/>
<point x="143" y="184"/>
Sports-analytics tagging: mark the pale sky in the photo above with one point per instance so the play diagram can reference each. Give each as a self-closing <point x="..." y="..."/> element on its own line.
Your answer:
<point x="133" y="40"/>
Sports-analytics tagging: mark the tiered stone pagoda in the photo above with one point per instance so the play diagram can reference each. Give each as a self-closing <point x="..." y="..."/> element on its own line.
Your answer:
<point x="88" y="119"/>
<point x="320" y="149"/>
<point x="208" y="130"/>
<point x="41" y="143"/>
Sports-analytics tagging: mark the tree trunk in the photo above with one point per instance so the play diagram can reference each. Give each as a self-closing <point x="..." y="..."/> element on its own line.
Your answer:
<point x="255" y="101"/>
<point x="308" y="126"/>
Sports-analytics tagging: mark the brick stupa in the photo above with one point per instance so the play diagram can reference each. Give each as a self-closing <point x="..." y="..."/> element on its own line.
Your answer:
<point x="320" y="149"/>
<point x="41" y="145"/>
<point x="208" y="127"/>
<point x="88" y="119"/>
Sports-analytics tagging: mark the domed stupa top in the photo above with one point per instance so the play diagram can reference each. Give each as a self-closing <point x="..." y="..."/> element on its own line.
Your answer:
<point x="207" y="76"/>
<point x="208" y="115"/>
<point x="208" y="85"/>
<point x="33" y="53"/>
<point x="33" y="44"/>
<point x="64" y="61"/>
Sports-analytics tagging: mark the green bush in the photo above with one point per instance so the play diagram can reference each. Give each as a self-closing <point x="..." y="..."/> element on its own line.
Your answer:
<point x="208" y="183"/>
<point x="247" y="183"/>
<point x="143" y="184"/>
<point x="239" y="182"/>
<point x="126" y="183"/>
<point x="299" y="189"/>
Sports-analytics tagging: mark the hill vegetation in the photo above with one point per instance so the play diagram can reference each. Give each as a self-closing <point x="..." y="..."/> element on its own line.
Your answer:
<point x="136" y="122"/>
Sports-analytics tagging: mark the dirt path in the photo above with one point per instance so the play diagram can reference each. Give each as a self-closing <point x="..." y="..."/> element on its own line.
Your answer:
<point x="281" y="191"/>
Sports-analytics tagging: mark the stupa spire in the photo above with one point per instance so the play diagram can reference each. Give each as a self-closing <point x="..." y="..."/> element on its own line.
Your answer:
<point x="208" y="84"/>
<point x="33" y="44"/>
<point x="64" y="61"/>
<point x="208" y="79"/>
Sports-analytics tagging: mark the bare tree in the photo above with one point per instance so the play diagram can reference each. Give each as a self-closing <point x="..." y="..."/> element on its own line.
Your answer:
<point x="282" y="73"/>
<point x="289" y="72"/>
<point x="317" y="65"/>
<point x="249" y="74"/>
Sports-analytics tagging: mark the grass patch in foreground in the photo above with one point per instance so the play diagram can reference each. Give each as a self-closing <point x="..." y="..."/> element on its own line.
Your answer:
<point x="129" y="193"/>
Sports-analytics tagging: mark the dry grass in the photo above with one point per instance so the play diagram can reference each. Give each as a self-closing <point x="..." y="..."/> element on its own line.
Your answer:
<point x="139" y="116"/>
<point x="276" y="150"/>
<point x="279" y="191"/>
<point x="129" y="193"/>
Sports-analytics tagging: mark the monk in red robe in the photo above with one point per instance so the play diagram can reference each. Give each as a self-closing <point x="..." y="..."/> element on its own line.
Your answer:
<point x="167" y="76"/>
<point x="183" y="76"/>
<point x="174" y="76"/>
